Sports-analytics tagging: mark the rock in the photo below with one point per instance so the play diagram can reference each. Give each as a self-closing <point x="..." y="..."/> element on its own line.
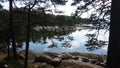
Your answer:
<point x="65" y="56"/>
<point x="100" y="64"/>
<point x="74" y="64"/>
<point x="93" y="61"/>
<point x="57" y="59"/>
<point x="42" y="58"/>
<point x="55" y="62"/>
<point x="3" y="65"/>
<point x="75" y="57"/>
<point x="85" y="59"/>
<point x="2" y="55"/>
<point x="20" y="56"/>
<point x="99" y="59"/>
<point x="47" y="59"/>
<point x="53" y="55"/>
<point x="32" y="54"/>
<point x="36" y="66"/>
<point x="42" y="65"/>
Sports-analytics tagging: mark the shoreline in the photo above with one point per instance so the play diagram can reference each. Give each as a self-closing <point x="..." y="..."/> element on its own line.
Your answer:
<point x="62" y="60"/>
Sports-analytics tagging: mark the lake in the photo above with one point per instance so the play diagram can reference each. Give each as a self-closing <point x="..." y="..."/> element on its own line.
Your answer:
<point x="72" y="42"/>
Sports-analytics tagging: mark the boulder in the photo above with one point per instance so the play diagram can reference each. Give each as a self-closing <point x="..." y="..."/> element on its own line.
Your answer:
<point x="99" y="59"/>
<point x="85" y="59"/>
<point x="55" y="62"/>
<point x="57" y="59"/>
<point x="100" y="64"/>
<point x="42" y="58"/>
<point x="20" y="56"/>
<point x="75" y="57"/>
<point x="47" y="59"/>
<point x="93" y="61"/>
<point x="31" y="54"/>
<point x="51" y="54"/>
<point x="2" y="55"/>
<point x="65" y="56"/>
<point x="3" y="65"/>
<point x="41" y="65"/>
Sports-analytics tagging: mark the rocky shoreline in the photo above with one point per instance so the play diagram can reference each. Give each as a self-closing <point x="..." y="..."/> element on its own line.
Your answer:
<point x="63" y="60"/>
<point x="56" y="59"/>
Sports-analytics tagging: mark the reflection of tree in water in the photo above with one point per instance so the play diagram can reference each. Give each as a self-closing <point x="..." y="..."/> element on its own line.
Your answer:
<point x="67" y="42"/>
<point x="42" y="36"/>
<point x="93" y="43"/>
<point x="54" y="44"/>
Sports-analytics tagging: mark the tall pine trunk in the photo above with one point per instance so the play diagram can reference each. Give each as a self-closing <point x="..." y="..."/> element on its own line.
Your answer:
<point x="113" y="57"/>
<point x="27" y="40"/>
<point x="12" y="29"/>
<point x="8" y="47"/>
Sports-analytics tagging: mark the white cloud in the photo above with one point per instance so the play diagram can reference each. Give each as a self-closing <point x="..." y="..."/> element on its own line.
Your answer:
<point x="5" y="5"/>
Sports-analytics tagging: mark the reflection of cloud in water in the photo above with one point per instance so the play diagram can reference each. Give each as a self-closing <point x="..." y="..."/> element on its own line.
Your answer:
<point x="77" y="44"/>
<point x="105" y="48"/>
<point x="74" y="44"/>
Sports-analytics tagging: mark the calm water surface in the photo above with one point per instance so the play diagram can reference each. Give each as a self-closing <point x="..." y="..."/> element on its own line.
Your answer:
<point x="75" y="45"/>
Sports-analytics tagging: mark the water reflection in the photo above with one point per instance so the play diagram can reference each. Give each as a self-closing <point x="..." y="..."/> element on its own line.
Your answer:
<point x="93" y="43"/>
<point x="69" y="41"/>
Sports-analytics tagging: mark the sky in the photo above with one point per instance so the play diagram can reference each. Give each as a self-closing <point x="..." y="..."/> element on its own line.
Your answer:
<point x="68" y="9"/>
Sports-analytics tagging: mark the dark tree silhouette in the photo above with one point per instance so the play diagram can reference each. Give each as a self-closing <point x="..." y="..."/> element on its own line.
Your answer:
<point x="100" y="10"/>
<point x="113" y="58"/>
<point x="11" y="24"/>
<point x="27" y="40"/>
<point x="30" y="7"/>
<point x="1" y="7"/>
<point x="104" y="11"/>
<point x="28" y="34"/>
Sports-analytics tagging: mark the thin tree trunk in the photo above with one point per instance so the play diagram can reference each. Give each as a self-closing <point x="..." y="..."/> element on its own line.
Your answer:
<point x="113" y="57"/>
<point x="11" y="29"/>
<point x="27" y="40"/>
<point x="8" y="51"/>
<point x="28" y="35"/>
